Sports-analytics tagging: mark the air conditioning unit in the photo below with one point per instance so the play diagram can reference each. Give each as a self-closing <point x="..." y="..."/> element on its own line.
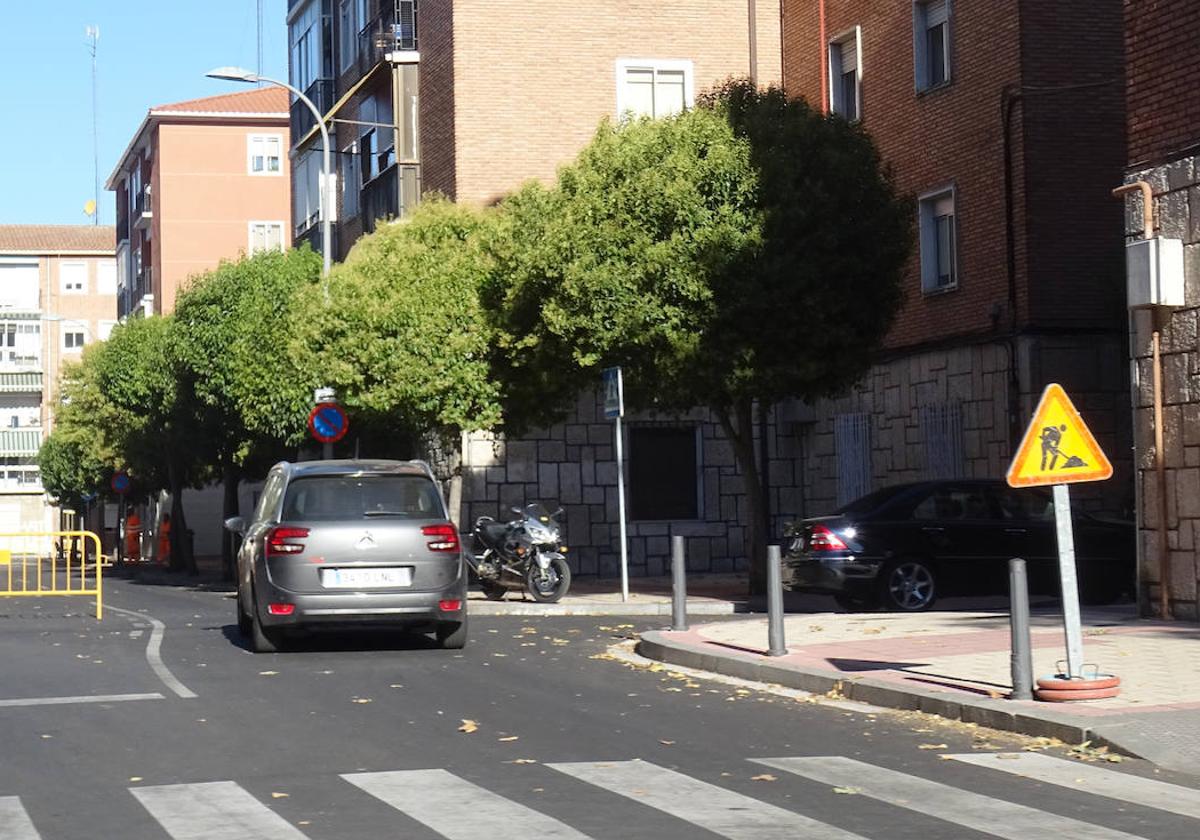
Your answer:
<point x="1154" y="272"/>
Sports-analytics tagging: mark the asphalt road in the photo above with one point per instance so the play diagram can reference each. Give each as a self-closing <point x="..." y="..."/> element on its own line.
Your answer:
<point x="361" y="736"/>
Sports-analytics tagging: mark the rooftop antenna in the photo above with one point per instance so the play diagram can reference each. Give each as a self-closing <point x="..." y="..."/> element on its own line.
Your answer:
<point x="93" y="38"/>
<point x="260" y="40"/>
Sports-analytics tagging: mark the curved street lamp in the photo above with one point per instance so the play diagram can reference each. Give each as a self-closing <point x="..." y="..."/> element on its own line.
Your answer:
<point x="240" y="74"/>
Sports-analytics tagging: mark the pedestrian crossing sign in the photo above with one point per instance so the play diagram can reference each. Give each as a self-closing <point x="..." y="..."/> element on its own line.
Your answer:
<point x="1058" y="447"/>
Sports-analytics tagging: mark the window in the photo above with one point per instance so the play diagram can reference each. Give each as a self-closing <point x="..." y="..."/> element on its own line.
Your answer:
<point x="939" y="260"/>
<point x="306" y="186"/>
<point x="349" y="23"/>
<point x="311" y="44"/>
<point x="852" y="441"/>
<point x="263" y="152"/>
<point x="19" y="285"/>
<point x="955" y="503"/>
<point x="942" y="428"/>
<point x="265" y="236"/>
<point x="845" y="74"/>
<point x="72" y="278"/>
<point x="653" y="88"/>
<point x="72" y="339"/>
<point x="931" y="43"/>
<point x="106" y="278"/>
<point x="351" y="180"/>
<point x="664" y="481"/>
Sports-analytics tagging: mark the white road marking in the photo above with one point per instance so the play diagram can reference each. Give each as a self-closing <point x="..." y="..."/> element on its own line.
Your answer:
<point x="85" y="698"/>
<point x="14" y="822"/>
<point x="1085" y="778"/>
<point x="136" y="634"/>
<point x="152" y="653"/>
<point x="713" y="808"/>
<point x="458" y="809"/>
<point x="954" y="805"/>
<point x="213" y="811"/>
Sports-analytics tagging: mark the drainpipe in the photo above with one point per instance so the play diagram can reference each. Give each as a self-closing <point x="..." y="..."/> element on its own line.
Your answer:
<point x="821" y="56"/>
<point x="752" y="11"/>
<point x="1160" y="468"/>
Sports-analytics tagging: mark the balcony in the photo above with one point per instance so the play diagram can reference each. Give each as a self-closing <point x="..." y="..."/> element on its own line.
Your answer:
<point x="21" y="382"/>
<point x="394" y="29"/>
<point x="302" y="120"/>
<point x="143" y="209"/>
<point x="20" y="443"/>
<point x="380" y="199"/>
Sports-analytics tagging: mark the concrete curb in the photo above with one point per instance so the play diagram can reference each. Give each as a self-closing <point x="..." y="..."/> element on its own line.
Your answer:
<point x="598" y="608"/>
<point x="995" y="714"/>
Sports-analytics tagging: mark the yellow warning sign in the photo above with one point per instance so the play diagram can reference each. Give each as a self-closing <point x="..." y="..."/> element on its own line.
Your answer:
<point x="1058" y="447"/>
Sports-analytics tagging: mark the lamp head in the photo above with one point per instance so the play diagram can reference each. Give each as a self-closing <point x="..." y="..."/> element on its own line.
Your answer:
<point x="232" y="74"/>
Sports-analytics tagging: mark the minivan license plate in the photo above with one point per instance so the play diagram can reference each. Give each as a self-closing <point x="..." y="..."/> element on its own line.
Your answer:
<point x="366" y="578"/>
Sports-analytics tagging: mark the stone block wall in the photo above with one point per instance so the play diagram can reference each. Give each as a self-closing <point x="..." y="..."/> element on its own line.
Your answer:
<point x="1177" y="211"/>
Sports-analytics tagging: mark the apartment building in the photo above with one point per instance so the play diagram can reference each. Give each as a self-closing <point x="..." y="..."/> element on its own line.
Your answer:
<point x="471" y="98"/>
<point x="58" y="289"/>
<point x="200" y="181"/>
<point x="1163" y="102"/>
<point x="1004" y="122"/>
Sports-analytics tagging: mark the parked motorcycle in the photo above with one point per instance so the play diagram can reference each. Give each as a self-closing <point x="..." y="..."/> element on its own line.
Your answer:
<point x="525" y="553"/>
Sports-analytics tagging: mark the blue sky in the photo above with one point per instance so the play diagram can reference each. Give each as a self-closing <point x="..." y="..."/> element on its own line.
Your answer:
<point x="150" y="52"/>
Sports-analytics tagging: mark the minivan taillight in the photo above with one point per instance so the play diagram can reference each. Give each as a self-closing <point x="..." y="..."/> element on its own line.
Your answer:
<point x="823" y="539"/>
<point x="282" y="540"/>
<point x="445" y="537"/>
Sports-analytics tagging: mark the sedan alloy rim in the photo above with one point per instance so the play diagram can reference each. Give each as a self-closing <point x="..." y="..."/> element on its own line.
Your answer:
<point x="911" y="586"/>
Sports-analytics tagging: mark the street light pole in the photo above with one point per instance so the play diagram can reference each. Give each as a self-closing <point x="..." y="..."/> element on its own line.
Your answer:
<point x="238" y="74"/>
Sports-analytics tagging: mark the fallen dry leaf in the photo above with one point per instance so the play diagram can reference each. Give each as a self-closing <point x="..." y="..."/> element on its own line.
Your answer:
<point x="267" y="673"/>
<point x="665" y="742"/>
<point x="361" y="700"/>
<point x="850" y="791"/>
<point x="508" y="738"/>
<point x="277" y="795"/>
<point x="468" y="726"/>
<point x="135" y="778"/>
<point x="931" y="747"/>
<point x="522" y="761"/>
<point x="765" y="777"/>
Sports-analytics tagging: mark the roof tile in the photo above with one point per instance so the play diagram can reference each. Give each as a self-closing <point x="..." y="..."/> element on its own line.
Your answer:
<point x="50" y="239"/>
<point x="264" y="100"/>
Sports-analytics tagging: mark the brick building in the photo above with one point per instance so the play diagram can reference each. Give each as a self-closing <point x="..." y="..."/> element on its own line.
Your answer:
<point x="1003" y="120"/>
<point x="200" y="181"/>
<point x="1163" y="102"/>
<point x="471" y="98"/>
<point x="58" y="287"/>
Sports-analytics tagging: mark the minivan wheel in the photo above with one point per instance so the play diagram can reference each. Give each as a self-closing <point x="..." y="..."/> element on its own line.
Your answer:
<point x="907" y="585"/>
<point x="452" y="635"/>
<point x="262" y="640"/>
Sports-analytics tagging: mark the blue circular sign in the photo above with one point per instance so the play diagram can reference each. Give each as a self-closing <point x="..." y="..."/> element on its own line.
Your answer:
<point x="328" y="423"/>
<point x="120" y="483"/>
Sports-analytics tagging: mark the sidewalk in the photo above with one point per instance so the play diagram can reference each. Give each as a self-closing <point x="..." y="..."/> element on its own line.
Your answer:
<point x="956" y="665"/>
<point x="707" y="595"/>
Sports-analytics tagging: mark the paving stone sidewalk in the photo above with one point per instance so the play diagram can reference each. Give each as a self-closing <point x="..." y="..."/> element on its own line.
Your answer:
<point x="957" y="664"/>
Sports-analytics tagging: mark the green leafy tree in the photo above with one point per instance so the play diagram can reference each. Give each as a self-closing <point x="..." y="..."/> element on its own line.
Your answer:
<point x="744" y="252"/>
<point x="231" y="343"/>
<point x="399" y="331"/>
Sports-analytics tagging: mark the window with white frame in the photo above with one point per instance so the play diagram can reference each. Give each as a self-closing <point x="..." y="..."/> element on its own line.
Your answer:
<point x="306" y="189"/>
<point x="106" y="278"/>
<point x="845" y="74"/>
<point x="72" y="339"/>
<point x="72" y="278"/>
<point x="650" y="88"/>
<point x="264" y="154"/>
<point x="19" y="284"/>
<point x="939" y="236"/>
<point x="931" y="43"/>
<point x="266" y="236"/>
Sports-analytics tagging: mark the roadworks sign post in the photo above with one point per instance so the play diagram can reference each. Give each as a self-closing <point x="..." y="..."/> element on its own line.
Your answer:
<point x="1058" y="449"/>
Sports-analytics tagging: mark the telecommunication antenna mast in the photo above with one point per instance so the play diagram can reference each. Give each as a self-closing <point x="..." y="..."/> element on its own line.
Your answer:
<point x="93" y="39"/>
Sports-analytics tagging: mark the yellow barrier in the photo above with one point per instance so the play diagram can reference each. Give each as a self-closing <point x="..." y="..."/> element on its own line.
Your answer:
<point x="52" y="563"/>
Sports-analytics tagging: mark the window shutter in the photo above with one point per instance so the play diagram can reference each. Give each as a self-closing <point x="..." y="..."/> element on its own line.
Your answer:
<point x="936" y="12"/>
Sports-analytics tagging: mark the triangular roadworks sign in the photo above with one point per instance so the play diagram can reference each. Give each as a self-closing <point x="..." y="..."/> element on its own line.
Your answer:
<point x="1058" y="447"/>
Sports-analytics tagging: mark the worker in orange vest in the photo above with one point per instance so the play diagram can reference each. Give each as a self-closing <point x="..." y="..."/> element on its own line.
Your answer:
<point x="164" y="540"/>
<point x="133" y="532"/>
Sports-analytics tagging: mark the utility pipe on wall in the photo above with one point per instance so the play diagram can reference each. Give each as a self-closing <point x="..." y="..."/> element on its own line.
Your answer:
<point x="1160" y="469"/>
<point x="822" y="54"/>
<point x="752" y="11"/>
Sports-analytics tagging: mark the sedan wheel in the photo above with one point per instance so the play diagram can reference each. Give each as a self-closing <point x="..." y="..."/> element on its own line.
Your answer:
<point x="908" y="586"/>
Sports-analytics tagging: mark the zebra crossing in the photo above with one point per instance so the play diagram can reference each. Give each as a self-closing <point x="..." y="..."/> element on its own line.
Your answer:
<point x="457" y="809"/>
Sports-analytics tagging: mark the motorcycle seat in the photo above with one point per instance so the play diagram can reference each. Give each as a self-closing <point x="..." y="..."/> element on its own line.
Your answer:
<point x="494" y="532"/>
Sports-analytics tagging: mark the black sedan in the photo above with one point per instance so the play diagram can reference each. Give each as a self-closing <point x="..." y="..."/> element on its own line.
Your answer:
<point x="904" y="546"/>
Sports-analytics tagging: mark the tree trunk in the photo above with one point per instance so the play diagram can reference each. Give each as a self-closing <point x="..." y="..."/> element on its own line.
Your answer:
<point x="181" y="554"/>
<point x="738" y="423"/>
<point x="231" y="476"/>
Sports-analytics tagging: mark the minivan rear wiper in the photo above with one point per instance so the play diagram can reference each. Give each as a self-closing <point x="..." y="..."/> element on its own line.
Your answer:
<point x="384" y="513"/>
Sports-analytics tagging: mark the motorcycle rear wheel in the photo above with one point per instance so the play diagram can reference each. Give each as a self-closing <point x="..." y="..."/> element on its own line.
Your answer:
<point x="549" y="586"/>
<point x="491" y="590"/>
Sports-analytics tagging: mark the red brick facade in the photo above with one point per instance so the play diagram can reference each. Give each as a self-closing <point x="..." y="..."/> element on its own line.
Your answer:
<point x="1163" y="52"/>
<point x="1065" y="148"/>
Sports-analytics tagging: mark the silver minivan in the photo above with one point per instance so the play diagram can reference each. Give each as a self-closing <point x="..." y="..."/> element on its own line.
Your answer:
<point x="346" y="543"/>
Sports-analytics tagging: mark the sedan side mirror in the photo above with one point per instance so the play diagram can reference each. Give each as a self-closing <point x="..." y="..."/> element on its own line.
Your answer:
<point x="236" y="524"/>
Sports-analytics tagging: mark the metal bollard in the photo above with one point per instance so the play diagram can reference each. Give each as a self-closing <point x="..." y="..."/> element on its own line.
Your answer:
<point x="678" y="585"/>
<point x="775" y="643"/>
<point x="1022" y="658"/>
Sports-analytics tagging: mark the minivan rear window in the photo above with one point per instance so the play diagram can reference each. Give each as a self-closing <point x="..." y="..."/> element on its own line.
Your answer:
<point x="334" y="497"/>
